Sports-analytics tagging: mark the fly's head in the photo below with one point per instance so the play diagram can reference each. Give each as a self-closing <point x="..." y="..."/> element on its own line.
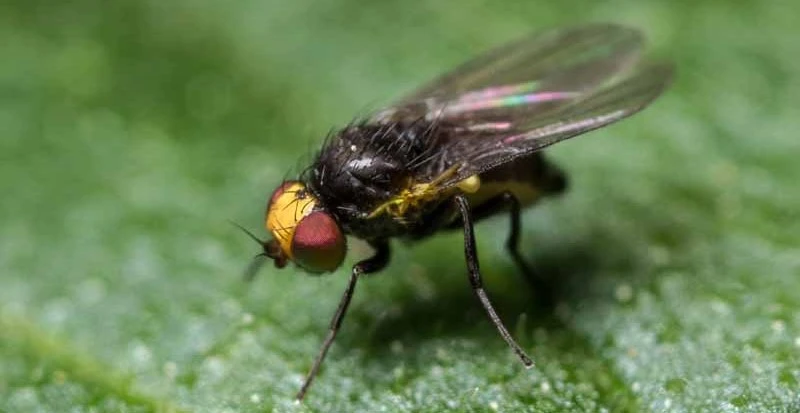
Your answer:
<point x="302" y="231"/>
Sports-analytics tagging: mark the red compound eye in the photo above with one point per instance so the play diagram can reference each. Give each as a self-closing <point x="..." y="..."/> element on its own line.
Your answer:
<point x="318" y="244"/>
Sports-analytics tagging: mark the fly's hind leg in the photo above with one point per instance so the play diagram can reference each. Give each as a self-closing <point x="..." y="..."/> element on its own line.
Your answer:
<point x="512" y="242"/>
<point x="540" y="286"/>
<point x="532" y="277"/>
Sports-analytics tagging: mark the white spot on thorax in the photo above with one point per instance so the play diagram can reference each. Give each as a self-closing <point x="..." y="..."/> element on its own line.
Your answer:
<point x="359" y="163"/>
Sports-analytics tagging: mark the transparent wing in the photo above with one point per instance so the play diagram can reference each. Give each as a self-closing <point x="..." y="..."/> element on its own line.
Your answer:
<point x="531" y="93"/>
<point x="566" y="62"/>
<point x="568" y="58"/>
<point x="481" y="147"/>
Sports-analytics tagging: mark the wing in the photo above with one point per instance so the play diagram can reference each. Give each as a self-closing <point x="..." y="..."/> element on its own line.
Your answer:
<point x="567" y="61"/>
<point x="573" y="58"/>
<point x="532" y="93"/>
<point x="481" y="147"/>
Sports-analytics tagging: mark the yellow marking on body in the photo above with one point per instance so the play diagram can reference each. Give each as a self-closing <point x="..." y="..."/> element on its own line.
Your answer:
<point x="470" y="185"/>
<point x="525" y="192"/>
<point x="414" y="195"/>
<point x="286" y="211"/>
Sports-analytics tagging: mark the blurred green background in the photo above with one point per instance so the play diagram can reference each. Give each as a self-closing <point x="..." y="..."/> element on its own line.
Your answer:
<point x="130" y="131"/>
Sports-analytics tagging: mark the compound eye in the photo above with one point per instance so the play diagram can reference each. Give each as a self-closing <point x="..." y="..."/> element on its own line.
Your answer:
<point x="318" y="244"/>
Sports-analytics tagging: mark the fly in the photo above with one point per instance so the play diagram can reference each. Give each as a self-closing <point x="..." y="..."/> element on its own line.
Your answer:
<point x="461" y="148"/>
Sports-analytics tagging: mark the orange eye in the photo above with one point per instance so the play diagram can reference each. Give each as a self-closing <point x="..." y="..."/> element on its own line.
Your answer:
<point x="288" y="205"/>
<point x="276" y="194"/>
<point x="318" y="244"/>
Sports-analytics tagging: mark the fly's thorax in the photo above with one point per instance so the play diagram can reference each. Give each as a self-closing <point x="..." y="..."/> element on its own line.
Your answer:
<point x="363" y="166"/>
<point x="305" y="231"/>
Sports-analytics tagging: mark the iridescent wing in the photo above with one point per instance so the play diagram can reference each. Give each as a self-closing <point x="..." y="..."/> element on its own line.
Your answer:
<point x="532" y="93"/>
<point x="482" y="146"/>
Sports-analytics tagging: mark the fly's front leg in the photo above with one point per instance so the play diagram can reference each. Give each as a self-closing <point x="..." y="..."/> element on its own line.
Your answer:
<point x="373" y="264"/>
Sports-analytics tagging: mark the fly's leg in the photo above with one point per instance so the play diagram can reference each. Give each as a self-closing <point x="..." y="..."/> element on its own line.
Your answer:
<point x="512" y="243"/>
<point x="539" y="285"/>
<point x="373" y="264"/>
<point x="508" y="200"/>
<point x="477" y="283"/>
<point x="534" y="279"/>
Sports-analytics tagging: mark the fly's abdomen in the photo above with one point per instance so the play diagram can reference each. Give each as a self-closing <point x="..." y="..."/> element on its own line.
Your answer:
<point x="528" y="178"/>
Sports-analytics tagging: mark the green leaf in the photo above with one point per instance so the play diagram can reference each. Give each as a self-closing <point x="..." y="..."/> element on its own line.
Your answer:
<point x="130" y="131"/>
